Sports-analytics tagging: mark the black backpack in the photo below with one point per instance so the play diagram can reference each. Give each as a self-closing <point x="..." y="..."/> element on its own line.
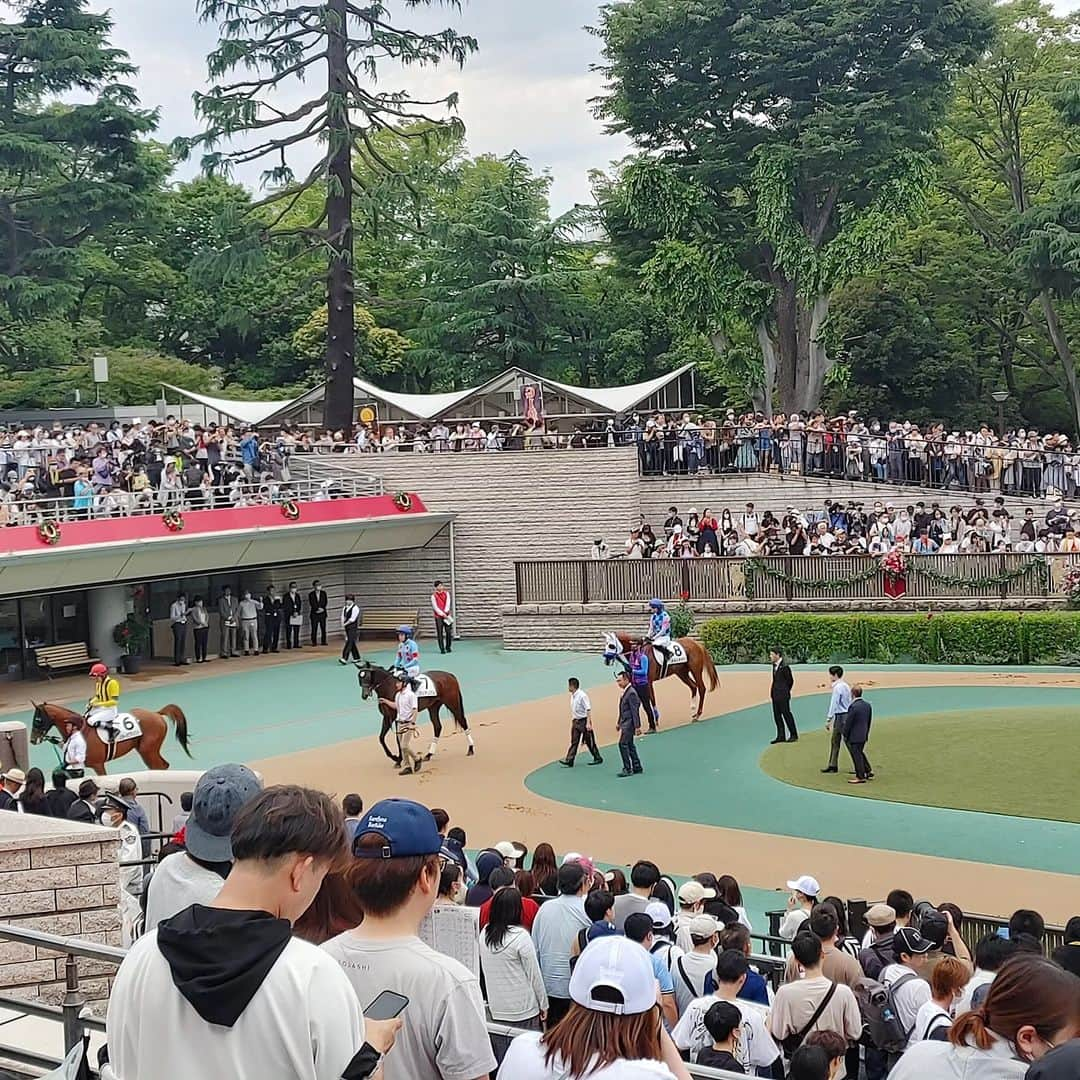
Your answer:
<point x="881" y="1023"/>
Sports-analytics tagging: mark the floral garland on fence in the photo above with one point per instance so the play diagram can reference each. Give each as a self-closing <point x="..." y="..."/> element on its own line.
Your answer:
<point x="1070" y="586"/>
<point x="893" y="564"/>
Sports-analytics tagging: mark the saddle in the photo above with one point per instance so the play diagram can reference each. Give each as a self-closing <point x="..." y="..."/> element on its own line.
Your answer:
<point x="677" y="656"/>
<point x="425" y="686"/>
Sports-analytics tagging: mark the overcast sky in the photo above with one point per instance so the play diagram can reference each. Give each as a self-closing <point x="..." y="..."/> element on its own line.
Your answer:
<point x="527" y="88"/>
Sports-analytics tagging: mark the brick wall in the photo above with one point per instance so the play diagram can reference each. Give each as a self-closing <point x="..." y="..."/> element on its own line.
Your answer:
<point x="546" y="505"/>
<point x="59" y="877"/>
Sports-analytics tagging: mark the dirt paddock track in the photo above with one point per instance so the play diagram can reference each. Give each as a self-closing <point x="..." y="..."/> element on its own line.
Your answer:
<point x="487" y="796"/>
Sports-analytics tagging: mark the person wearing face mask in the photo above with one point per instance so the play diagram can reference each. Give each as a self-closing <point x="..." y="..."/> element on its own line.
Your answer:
<point x="1033" y="1006"/>
<point x="249" y="609"/>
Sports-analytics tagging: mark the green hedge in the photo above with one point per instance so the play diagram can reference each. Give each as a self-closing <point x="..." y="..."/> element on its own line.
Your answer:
<point x="984" y="637"/>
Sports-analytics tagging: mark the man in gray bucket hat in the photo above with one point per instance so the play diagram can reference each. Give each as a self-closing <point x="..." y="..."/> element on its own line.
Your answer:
<point x="195" y="876"/>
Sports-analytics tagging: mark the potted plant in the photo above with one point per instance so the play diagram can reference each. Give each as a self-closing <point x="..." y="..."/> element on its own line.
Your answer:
<point x="133" y="636"/>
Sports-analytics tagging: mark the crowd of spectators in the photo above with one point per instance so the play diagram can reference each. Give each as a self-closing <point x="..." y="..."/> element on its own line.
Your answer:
<point x="114" y="470"/>
<point x="282" y="928"/>
<point x="854" y="528"/>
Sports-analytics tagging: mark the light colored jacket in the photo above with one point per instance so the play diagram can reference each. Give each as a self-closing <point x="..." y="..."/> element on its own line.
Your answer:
<point x="515" y="987"/>
<point x="943" y="1061"/>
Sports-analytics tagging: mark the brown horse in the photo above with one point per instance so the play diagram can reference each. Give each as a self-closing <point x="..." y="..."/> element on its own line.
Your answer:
<point x="155" y="726"/>
<point x="381" y="682"/>
<point x="699" y="671"/>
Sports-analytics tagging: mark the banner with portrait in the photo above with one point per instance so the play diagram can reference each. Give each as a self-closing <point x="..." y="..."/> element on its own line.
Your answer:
<point x="532" y="402"/>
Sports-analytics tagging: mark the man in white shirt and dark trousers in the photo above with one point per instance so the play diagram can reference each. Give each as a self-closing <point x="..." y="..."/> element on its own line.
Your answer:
<point x="350" y="623"/>
<point x="580" y="726"/>
<point x="178" y="623"/>
<point x="836" y="718"/>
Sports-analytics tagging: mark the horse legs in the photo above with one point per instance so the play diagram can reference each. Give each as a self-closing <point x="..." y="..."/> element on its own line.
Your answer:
<point x="697" y="689"/>
<point x="386" y="722"/>
<point x="436" y="723"/>
<point x="151" y="752"/>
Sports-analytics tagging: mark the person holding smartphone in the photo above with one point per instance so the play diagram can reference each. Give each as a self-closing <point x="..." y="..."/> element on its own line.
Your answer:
<point x="229" y="987"/>
<point x="394" y="876"/>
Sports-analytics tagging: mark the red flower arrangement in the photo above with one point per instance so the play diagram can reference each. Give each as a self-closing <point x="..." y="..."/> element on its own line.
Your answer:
<point x="893" y="563"/>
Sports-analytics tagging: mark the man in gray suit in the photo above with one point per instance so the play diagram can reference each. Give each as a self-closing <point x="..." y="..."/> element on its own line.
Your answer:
<point x="227" y="612"/>
<point x="628" y="725"/>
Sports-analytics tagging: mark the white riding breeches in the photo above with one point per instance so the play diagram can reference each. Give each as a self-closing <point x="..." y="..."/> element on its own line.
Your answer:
<point x="103" y="715"/>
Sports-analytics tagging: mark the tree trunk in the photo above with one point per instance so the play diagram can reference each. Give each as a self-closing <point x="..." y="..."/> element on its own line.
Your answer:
<point x="1065" y="355"/>
<point x="340" y="322"/>
<point x="799" y="355"/>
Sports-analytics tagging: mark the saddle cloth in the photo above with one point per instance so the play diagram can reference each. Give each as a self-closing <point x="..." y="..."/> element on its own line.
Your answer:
<point x="424" y="686"/>
<point x="678" y="655"/>
<point x="127" y="727"/>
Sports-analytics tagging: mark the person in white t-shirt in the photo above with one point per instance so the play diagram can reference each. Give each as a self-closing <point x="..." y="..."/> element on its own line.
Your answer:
<point x="694" y="973"/>
<point x="756" y="1048"/>
<point x="935" y="1017"/>
<point x="804" y="893"/>
<point x="227" y="990"/>
<point x="910" y="990"/>
<point x="395" y="879"/>
<point x="991" y="952"/>
<point x="613" y="1029"/>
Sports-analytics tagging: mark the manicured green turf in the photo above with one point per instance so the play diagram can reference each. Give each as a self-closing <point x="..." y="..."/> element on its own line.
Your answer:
<point x="999" y="760"/>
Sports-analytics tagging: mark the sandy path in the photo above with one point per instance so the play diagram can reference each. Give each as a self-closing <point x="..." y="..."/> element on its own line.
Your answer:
<point x="487" y="796"/>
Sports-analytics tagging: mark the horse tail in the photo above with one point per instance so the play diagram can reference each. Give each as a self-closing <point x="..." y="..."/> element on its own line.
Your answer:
<point x="176" y="715"/>
<point x="710" y="669"/>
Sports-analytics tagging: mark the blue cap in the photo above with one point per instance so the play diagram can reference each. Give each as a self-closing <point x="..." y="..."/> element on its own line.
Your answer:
<point x="406" y="630"/>
<point x="407" y="828"/>
<point x="654" y="602"/>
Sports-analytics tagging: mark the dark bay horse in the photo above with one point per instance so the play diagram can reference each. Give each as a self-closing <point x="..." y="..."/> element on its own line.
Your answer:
<point x="381" y="682"/>
<point x="699" y="671"/>
<point x="155" y="726"/>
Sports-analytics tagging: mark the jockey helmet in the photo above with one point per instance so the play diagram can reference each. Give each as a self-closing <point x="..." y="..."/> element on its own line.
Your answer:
<point x="99" y="671"/>
<point x="406" y="630"/>
<point x="656" y="605"/>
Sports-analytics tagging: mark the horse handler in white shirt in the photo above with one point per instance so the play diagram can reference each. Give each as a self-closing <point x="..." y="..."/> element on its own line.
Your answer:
<point x="580" y="726"/>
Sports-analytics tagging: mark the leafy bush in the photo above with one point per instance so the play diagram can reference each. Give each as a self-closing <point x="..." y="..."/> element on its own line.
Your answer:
<point x="682" y="620"/>
<point x="983" y="637"/>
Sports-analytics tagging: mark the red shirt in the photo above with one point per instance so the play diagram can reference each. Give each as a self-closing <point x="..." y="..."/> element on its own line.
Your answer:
<point x="529" y="908"/>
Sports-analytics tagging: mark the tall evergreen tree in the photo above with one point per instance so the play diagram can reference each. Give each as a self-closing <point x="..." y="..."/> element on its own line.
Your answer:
<point x="69" y="173"/>
<point x="277" y="42"/>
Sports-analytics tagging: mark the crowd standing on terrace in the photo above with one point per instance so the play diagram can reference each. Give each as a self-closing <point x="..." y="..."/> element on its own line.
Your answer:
<point x="854" y="528"/>
<point x="111" y="469"/>
<point x="279" y="928"/>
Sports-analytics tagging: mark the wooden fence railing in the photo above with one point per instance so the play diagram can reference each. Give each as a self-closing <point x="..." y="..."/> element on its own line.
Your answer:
<point x="778" y="578"/>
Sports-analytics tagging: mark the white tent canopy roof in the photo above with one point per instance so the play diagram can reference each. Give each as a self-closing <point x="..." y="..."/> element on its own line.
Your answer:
<point x="426" y="407"/>
<point x="247" y="412"/>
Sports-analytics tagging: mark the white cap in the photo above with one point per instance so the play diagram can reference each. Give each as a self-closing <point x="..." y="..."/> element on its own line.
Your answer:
<point x="807" y="885"/>
<point x="659" y="914"/>
<point x="509" y="850"/>
<point x="619" y="964"/>
<point x="571" y="856"/>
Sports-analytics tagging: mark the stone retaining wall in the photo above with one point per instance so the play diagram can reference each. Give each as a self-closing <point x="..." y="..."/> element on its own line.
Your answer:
<point x="59" y="877"/>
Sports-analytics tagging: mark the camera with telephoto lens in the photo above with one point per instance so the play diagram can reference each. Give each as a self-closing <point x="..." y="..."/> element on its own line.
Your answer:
<point x="930" y="922"/>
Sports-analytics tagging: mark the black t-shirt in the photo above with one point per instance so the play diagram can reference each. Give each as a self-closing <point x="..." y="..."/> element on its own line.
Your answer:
<point x="719" y="1059"/>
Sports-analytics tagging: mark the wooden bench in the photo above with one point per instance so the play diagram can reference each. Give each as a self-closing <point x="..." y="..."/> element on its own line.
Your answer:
<point x="60" y="658"/>
<point x="387" y="620"/>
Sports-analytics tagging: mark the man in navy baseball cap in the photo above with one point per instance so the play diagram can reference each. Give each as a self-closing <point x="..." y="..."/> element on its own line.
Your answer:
<point x="395" y="879"/>
<point x="406" y="828"/>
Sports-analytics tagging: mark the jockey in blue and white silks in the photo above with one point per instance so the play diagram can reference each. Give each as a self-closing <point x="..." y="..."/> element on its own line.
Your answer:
<point x="660" y="630"/>
<point x="408" y="653"/>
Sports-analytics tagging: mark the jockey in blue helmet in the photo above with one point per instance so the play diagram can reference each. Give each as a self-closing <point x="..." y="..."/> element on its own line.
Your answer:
<point x="660" y="630"/>
<point x="408" y="653"/>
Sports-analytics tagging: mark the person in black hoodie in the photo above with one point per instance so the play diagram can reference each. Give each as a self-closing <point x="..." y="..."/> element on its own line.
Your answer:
<point x="227" y="989"/>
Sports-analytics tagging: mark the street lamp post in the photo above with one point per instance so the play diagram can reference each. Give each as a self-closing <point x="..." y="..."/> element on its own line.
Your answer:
<point x="1001" y="396"/>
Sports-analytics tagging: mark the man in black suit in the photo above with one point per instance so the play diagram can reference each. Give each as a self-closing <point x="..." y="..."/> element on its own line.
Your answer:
<point x="317" y="603"/>
<point x="272" y="607"/>
<point x="782" y="682"/>
<point x="628" y="725"/>
<point x="85" y="807"/>
<point x="857" y="735"/>
<point x="292" y="610"/>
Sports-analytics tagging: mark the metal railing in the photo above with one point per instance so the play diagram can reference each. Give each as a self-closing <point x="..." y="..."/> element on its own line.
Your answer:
<point x="786" y="577"/>
<point x="77" y="1023"/>
<point x="113" y="504"/>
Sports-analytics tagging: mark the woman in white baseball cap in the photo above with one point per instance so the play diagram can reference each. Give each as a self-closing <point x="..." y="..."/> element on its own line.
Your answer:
<point x="613" y="1030"/>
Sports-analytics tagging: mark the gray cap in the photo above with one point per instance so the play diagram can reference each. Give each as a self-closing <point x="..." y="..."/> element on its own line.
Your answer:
<point x="215" y="802"/>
